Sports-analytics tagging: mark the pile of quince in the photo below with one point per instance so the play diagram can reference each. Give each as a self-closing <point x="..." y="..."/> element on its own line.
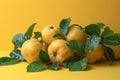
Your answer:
<point x="70" y="46"/>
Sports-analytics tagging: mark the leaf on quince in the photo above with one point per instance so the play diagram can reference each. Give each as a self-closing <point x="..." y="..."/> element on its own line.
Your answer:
<point x="69" y="60"/>
<point x="59" y="36"/>
<point x="113" y="40"/>
<point x="107" y="32"/>
<point x="44" y="56"/>
<point x="17" y="55"/>
<point x="91" y="43"/>
<point x="36" y="66"/>
<point x="29" y="31"/>
<point x="54" y="66"/>
<point x="79" y="65"/>
<point x="37" y="35"/>
<point x="92" y="29"/>
<point x="110" y="54"/>
<point x="64" y="24"/>
<point x="75" y="46"/>
<point x="4" y="61"/>
<point x="18" y="40"/>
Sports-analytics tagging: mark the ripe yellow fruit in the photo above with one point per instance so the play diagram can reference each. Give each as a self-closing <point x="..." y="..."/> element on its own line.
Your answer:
<point x="76" y="33"/>
<point x="30" y="50"/>
<point x="116" y="50"/>
<point x="59" y="51"/>
<point x="48" y="32"/>
<point x="96" y="54"/>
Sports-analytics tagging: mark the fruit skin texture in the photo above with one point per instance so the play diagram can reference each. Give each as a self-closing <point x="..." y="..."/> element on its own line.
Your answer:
<point x="76" y="33"/>
<point x="59" y="51"/>
<point x="96" y="54"/>
<point x="30" y="50"/>
<point x="48" y="32"/>
<point x="116" y="50"/>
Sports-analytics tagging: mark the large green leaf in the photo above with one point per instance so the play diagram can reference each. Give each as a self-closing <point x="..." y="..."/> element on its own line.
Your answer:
<point x="79" y="65"/>
<point x="91" y="43"/>
<point x="35" y="66"/>
<point x="113" y="40"/>
<point x="18" y="40"/>
<point x="17" y="55"/>
<point x="110" y="54"/>
<point x="75" y="46"/>
<point x="92" y="29"/>
<point x="107" y="32"/>
<point x="64" y="24"/>
<point x="44" y="56"/>
<point x="8" y="61"/>
<point x="29" y="31"/>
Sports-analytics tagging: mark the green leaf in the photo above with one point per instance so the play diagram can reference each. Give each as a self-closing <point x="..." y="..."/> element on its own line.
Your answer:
<point x="100" y="25"/>
<point x="113" y="40"/>
<point x="29" y="31"/>
<point x="44" y="56"/>
<point x="64" y="24"/>
<point x="75" y="46"/>
<point x="54" y="66"/>
<point x="59" y="36"/>
<point x="8" y="61"/>
<point x="37" y="35"/>
<point x="110" y="54"/>
<point x="92" y="29"/>
<point x="69" y="60"/>
<point x="35" y="66"/>
<point x="18" y="40"/>
<point x="17" y="55"/>
<point x="79" y="65"/>
<point x="91" y="43"/>
<point x="107" y="32"/>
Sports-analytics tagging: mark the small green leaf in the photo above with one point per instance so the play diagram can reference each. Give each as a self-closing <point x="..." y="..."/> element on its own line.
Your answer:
<point x="113" y="40"/>
<point x="100" y="25"/>
<point x="69" y="60"/>
<point x="35" y="66"/>
<point x="18" y="40"/>
<point x="8" y="61"/>
<point x="29" y="31"/>
<point x="107" y="32"/>
<point x="79" y="65"/>
<point x="110" y="54"/>
<point x="17" y="55"/>
<point x="59" y="36"/>
<point x="54" y="66"/>
<point x="44" y="56"/>
<point x="64" y="24"/>
<point x="91" y="43"/>
<point x="75" y="46"/>
<point x="37" y="35"/>
<point x="92" y="29"/>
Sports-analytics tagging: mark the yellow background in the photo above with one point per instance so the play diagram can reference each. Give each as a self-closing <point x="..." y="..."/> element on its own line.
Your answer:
<point x="17" y="15"/>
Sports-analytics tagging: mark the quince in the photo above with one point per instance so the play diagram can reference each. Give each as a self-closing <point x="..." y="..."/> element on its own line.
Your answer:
<point x="59" y="51"/>
<point x="76" y="33"/>
<point x="96" y="54"/>
<point x="30" y="50"/>
<point x="48" y="32"/>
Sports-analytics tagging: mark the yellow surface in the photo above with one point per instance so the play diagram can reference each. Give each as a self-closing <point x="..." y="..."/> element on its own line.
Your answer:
<point x="17" y="15"/>
<point x="100" y="71"/>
